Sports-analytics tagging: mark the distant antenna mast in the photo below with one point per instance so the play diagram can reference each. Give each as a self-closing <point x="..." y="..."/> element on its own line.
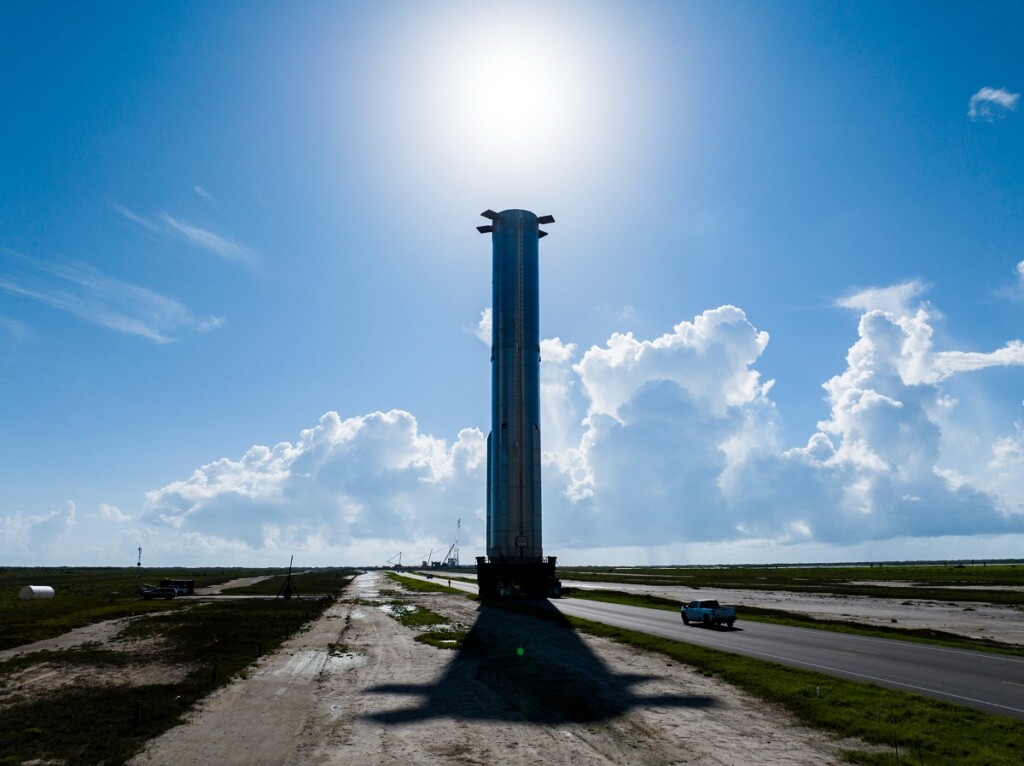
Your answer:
<point x="288" y="588"/>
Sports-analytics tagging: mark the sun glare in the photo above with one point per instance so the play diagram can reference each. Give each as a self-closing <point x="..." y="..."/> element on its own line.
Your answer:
<point x="511" y="96"/>
<point x="499" y="100"/>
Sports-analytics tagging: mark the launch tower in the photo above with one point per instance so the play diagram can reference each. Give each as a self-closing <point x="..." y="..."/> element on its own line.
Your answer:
<point x="515" y="563"/>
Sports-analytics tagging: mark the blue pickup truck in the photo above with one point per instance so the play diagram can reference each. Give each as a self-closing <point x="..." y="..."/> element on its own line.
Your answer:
<point x="708" y="612"/>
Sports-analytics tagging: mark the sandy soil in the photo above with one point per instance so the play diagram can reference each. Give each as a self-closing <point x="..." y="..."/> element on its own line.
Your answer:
<point x="356" y="688"/>
<point x="47" y="678"/>
<point x="241" y="582"/>
<point x="971" y="619"/>
<point x="99" y="632"/>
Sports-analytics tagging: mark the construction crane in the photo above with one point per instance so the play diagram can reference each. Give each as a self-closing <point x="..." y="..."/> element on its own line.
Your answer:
<point x="451" y="559"/>
<point x="392" y="561"/>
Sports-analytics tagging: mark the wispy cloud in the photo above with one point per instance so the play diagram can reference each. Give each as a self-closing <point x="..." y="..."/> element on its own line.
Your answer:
<point x="14" y="328"/>
<point x="170" y="227"/>
<point x="137" y="219"/>
<point x="989" y="104"/>
<point x="202" y="192"/>
<point x="226" y="248"/>
<point x="1015" y="290"/>
<point x="84" y="291"/>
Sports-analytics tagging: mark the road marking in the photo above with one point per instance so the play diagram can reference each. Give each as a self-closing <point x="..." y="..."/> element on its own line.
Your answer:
<point x="1012" y="683"/>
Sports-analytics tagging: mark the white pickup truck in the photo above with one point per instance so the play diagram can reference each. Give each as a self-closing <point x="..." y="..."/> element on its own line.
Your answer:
<point x="708" y="612"/>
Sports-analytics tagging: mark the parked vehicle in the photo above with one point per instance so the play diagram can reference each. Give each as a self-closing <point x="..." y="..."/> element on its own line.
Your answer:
<point x="181" y="587"/>
<point x="708" y="612"/>
<point x="165" y="593"/>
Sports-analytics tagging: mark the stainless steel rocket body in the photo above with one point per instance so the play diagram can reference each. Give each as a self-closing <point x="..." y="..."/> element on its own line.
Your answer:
<point x="513" y="446"/>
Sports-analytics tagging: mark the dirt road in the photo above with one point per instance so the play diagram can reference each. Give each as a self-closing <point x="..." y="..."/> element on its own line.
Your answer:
<point x="357" y="688"/>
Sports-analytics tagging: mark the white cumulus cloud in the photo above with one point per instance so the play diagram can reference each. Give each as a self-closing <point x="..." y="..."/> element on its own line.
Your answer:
<point x="369" y="477"/>
<point x="32" y="537"/>
<point x="112" y="513"/>
<point x="709" y="357"/>
<point x="670" y="443"/>
<point x="898" y="326"/>
<point x="682" y="442"/>
<point x="483" y="327"/>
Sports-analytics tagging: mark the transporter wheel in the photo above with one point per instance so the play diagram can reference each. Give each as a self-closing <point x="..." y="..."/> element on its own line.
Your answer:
<point x="729" y="622"/>
<point x="706" y="620"/>
<point x="686" y="620"/>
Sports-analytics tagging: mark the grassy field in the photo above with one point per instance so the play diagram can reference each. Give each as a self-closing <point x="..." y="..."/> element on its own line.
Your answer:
<point x="91" y="723"/>
<point x="433" y="586"/>
<point x="306" y="583"/>
<point x="953" y="582"/>
<point x="87" y="595"/>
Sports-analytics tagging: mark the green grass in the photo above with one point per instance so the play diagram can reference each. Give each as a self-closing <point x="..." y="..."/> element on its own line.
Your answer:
<point x="418" y="617"/>
<point x="85" y="595"/>
<point x="317" y="581"/>
<point x="779" y="617"/>
<point x="935" y="582"/>
<point x="629" y="599"/>
<point x="423" y="586"/>
<point x="412" y="616"/>
<point x="443" y="639"/>
<point x="917" y="635"/>
<point x="97" y="724"/>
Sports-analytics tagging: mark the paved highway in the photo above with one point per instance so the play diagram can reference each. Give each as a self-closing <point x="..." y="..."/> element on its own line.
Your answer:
<point x="990" y="682"/>
<point x="993" y="683"/>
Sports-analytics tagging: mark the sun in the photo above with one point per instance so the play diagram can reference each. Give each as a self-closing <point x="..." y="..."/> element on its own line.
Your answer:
<point x="513" y="95"/>
<point x="498" y="99"/>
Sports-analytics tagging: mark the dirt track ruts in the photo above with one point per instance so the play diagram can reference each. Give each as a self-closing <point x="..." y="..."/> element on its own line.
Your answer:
<point x="384" y="698"/>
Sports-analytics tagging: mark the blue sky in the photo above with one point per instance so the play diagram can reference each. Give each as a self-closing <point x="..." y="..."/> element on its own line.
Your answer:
<point x="241" y="291"/>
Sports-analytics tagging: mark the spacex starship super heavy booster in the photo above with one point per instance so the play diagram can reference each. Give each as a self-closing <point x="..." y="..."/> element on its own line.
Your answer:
<point x="515" y="564"/>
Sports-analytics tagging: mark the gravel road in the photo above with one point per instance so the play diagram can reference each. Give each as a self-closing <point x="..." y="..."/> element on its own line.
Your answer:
<point x="357" y="688"/>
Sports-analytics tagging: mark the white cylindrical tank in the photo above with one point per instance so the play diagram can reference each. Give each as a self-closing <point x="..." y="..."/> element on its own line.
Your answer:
<point x="35" y="591"/>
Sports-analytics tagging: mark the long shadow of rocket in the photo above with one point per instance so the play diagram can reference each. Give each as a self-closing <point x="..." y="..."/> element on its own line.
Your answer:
<point x="528" y="668"/>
